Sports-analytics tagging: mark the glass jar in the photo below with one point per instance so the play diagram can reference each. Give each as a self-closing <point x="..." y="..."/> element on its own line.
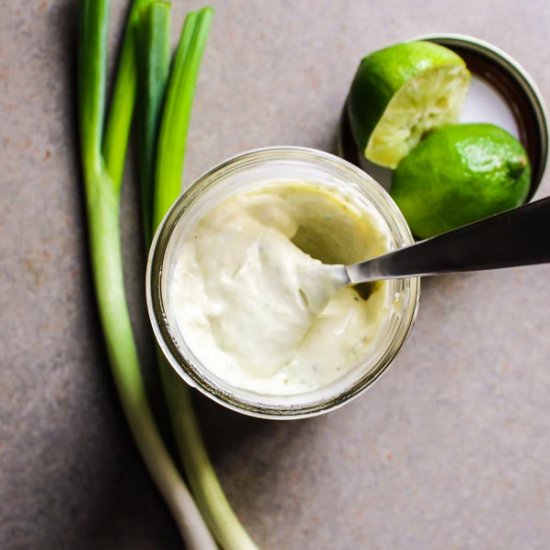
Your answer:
<point x="244" y="172"/>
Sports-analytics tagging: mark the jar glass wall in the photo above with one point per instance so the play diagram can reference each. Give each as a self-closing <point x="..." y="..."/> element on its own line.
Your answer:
<point x="249" y="171"/>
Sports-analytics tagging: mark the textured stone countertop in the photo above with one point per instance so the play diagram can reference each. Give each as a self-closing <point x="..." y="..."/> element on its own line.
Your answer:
<point x="451" y="449"/>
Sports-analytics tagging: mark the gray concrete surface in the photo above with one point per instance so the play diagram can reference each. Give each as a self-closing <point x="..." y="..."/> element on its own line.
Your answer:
<point x="451" y="449"/>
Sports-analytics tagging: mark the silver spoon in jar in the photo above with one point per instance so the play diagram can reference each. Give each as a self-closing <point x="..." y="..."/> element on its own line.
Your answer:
<point x="514" y="238"/>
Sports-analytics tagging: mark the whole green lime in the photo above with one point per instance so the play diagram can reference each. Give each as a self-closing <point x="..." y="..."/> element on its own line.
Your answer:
<point x="401" y="92"/>
<point x="459" y="174"/>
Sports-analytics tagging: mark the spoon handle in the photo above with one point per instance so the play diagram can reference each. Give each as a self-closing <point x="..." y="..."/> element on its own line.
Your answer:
<point x="517" y="237"/>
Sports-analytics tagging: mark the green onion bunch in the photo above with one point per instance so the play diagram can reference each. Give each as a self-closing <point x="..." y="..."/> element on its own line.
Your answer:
<point x="159" y="91"/>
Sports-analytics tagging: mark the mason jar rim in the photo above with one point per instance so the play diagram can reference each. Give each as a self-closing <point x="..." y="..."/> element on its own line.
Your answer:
<point x="157" y="310"/>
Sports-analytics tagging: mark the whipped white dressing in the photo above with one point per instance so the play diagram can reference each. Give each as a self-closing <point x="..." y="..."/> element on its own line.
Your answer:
<point x="260" y="312"/>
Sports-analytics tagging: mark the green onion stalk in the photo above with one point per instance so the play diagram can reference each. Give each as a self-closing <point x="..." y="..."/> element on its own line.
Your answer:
<point x="164" y="178"/>
<point x="102" y="194"/>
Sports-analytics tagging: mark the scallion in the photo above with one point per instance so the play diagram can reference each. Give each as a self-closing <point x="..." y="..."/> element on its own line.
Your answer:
<point x="204" y="483"/>
<point x="102" y="194"/>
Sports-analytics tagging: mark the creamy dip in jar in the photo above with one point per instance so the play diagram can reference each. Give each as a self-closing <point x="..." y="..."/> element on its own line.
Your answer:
<point x="243" y="292"/>
<point x="254" y="299"/>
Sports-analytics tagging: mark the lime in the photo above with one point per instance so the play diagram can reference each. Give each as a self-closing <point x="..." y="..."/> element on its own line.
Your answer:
<point x="459" y="174"/>
<point x="401" y="92"/>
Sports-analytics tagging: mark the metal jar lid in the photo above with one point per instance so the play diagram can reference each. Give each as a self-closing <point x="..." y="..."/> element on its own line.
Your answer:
<point x="507" y="79"/>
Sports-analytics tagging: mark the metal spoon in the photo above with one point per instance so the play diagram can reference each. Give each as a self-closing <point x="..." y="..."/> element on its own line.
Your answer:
<point x="517" y="237"/>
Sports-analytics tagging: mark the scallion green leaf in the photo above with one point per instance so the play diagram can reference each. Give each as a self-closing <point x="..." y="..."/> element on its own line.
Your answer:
<point x="117" y="129"/>
<point x="153" y="49"/>
<point x="177" y="111"/>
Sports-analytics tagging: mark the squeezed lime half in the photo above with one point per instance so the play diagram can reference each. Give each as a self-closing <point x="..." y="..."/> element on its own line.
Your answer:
<point x="401" y="92"/>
